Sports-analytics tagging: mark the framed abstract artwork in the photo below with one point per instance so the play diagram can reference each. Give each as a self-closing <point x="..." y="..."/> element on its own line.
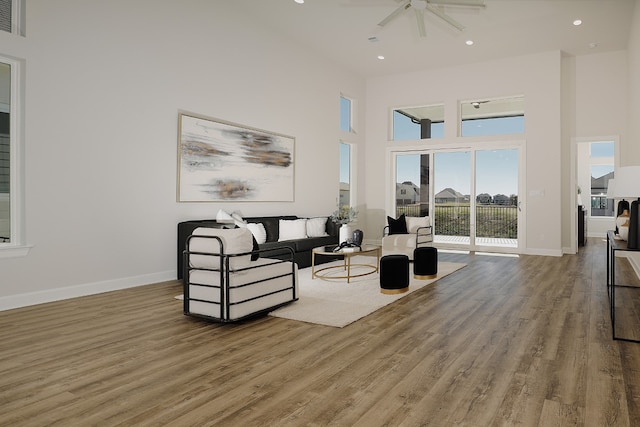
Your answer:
<point x="223" y="161"/>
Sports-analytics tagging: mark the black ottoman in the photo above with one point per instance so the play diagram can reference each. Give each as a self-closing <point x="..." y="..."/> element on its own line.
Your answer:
<point x="394" y="274"/>
<point x="425" y="263"/>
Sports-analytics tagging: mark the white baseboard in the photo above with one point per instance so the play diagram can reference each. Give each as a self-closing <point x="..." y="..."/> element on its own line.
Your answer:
<point x="543" y="252"/>
<point x="50" y="295"/>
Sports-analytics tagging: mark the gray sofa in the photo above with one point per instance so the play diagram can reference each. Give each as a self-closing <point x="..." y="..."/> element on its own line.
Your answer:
<point x="301" y="247"/>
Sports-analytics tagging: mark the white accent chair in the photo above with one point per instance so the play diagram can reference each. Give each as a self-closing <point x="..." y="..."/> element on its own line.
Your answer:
<point x="419" y="234"/>
<point x="226" y="279"/>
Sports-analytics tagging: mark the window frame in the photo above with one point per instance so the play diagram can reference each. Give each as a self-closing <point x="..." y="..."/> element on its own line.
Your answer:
<point x="16" y="246"/>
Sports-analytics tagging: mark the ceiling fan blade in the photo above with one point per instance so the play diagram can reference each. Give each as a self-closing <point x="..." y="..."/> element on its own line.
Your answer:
<point x="420" y="20"/>
<point x="462" y="3"/>
<point x="395" y="13"/>
<point x="445" y="17"/>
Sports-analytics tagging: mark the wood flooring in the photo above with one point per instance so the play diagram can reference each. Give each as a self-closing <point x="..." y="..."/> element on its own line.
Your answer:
<point x="502" y="342"/>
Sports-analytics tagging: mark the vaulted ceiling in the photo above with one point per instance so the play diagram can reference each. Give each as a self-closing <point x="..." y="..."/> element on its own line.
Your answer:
<point x="346" y="31"/>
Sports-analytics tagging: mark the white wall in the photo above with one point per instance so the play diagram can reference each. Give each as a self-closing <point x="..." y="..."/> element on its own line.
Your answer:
<point x="104" y="83"/>
<point x="537" y="77"/>
<point x="631" y="152"/>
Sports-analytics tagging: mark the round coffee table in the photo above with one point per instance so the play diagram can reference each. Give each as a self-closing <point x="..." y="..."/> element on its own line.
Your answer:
<point x="347" y="254"/>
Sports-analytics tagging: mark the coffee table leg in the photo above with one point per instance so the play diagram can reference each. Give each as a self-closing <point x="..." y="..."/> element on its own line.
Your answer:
<point x="348" y="261"/>
<point x="313" y="265"/>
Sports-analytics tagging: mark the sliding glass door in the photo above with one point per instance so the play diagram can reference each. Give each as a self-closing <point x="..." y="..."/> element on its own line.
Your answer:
<point x="496" y="173"/>
<point x="452" y="214"/>
<point x="471" y="195"/>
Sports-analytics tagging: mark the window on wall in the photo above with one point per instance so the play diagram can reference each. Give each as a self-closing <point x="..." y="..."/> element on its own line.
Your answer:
<point x="601" y="162"/>
<point x="5" y="153"/>
<point x="345" y="174"/>
<point x="345" y="114"/>
<point x="11" y="188"/>
<point x="492" y="116"/>
<point x="346" y="193"/>
<point x="412" y="123"/>
<point x="11" y="16"/>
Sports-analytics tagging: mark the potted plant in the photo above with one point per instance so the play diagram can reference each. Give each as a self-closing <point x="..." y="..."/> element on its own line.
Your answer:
<point x="344" y="215"/>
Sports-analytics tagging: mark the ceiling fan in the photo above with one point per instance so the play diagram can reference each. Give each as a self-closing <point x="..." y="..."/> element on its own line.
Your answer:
<point x="433" y="6"/>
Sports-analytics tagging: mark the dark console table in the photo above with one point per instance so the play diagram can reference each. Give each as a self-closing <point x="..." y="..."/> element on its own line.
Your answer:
<point x="614" y="245"/>
<point x="582" y="226"/>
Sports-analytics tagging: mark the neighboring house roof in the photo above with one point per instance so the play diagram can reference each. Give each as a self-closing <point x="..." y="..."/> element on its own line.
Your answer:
<point x="599" y="184"/>
<point x="449" y="193"/>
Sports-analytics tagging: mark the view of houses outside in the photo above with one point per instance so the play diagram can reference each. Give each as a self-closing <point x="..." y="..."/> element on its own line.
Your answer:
<point x="496" y="186"/>
<point x="601" y="168"/>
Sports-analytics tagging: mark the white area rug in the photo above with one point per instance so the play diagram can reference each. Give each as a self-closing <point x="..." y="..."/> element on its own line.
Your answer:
<point x="338" y="303"/>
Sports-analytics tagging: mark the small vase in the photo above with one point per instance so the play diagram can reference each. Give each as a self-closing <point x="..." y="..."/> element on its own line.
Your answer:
<point x="345" y="233"/>
<point x="357" y="237"/>
<point x="623" y="231"/>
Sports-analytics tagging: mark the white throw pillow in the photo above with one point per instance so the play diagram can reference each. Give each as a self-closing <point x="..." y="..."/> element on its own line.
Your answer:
<point x="413" y="223"/>
<point x="292" y="229"/>
<point x="258" y="231"/>
<point x="317" y="227"/>
<point x="238" y="220"/>
<point x="234" y="241"/>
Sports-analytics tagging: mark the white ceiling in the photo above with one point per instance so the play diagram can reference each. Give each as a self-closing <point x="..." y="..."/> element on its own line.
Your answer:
<point x="340" y="29"/>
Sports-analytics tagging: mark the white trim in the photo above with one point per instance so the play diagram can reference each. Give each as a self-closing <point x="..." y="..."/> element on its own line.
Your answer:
<point x="17" y="246"/>
<point x="394" y="150"/>
<point x="17" y="17"/>
<point x="573" y="190"/>
<point x="543" y="252"/>
<point x="41" y="297"/>
<point x="14" y="251"/>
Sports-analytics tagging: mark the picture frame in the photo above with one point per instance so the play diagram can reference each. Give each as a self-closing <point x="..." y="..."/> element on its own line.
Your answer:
<point x="221" y="161"/>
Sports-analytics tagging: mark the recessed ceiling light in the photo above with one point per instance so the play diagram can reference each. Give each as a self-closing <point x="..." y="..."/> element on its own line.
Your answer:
<point x="299" y="1"/>
<point x="380" y="56"/>
<point x="469" y="42"/>
<point x="577" y="22"/>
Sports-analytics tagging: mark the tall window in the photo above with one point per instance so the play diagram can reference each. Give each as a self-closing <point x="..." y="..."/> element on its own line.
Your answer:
<point x="345" y="114"/>
<point x="346" y="125"/>
<point x="345" y="174"/>
<point x="5" y="153"/>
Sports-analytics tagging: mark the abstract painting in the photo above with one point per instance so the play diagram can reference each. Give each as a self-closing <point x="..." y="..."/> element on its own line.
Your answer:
<point x="223" y="161"/>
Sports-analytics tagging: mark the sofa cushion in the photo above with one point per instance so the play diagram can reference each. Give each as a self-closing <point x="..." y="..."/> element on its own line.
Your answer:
<point x="258" y="231"/>
<point x="317" y="227"/>
<point x="397" y="226"/>
<point x="271" y="224"/>
<point x="292" y="229"/>
<point x="413" y="223"/>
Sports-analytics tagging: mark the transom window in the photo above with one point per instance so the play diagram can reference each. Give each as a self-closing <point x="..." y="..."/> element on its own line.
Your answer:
<point x="492" y="116"/>
<point x="413" y="123"/>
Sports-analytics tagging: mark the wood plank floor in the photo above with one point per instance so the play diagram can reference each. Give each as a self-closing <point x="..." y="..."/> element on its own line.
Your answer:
<point x="504" y="341"/>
